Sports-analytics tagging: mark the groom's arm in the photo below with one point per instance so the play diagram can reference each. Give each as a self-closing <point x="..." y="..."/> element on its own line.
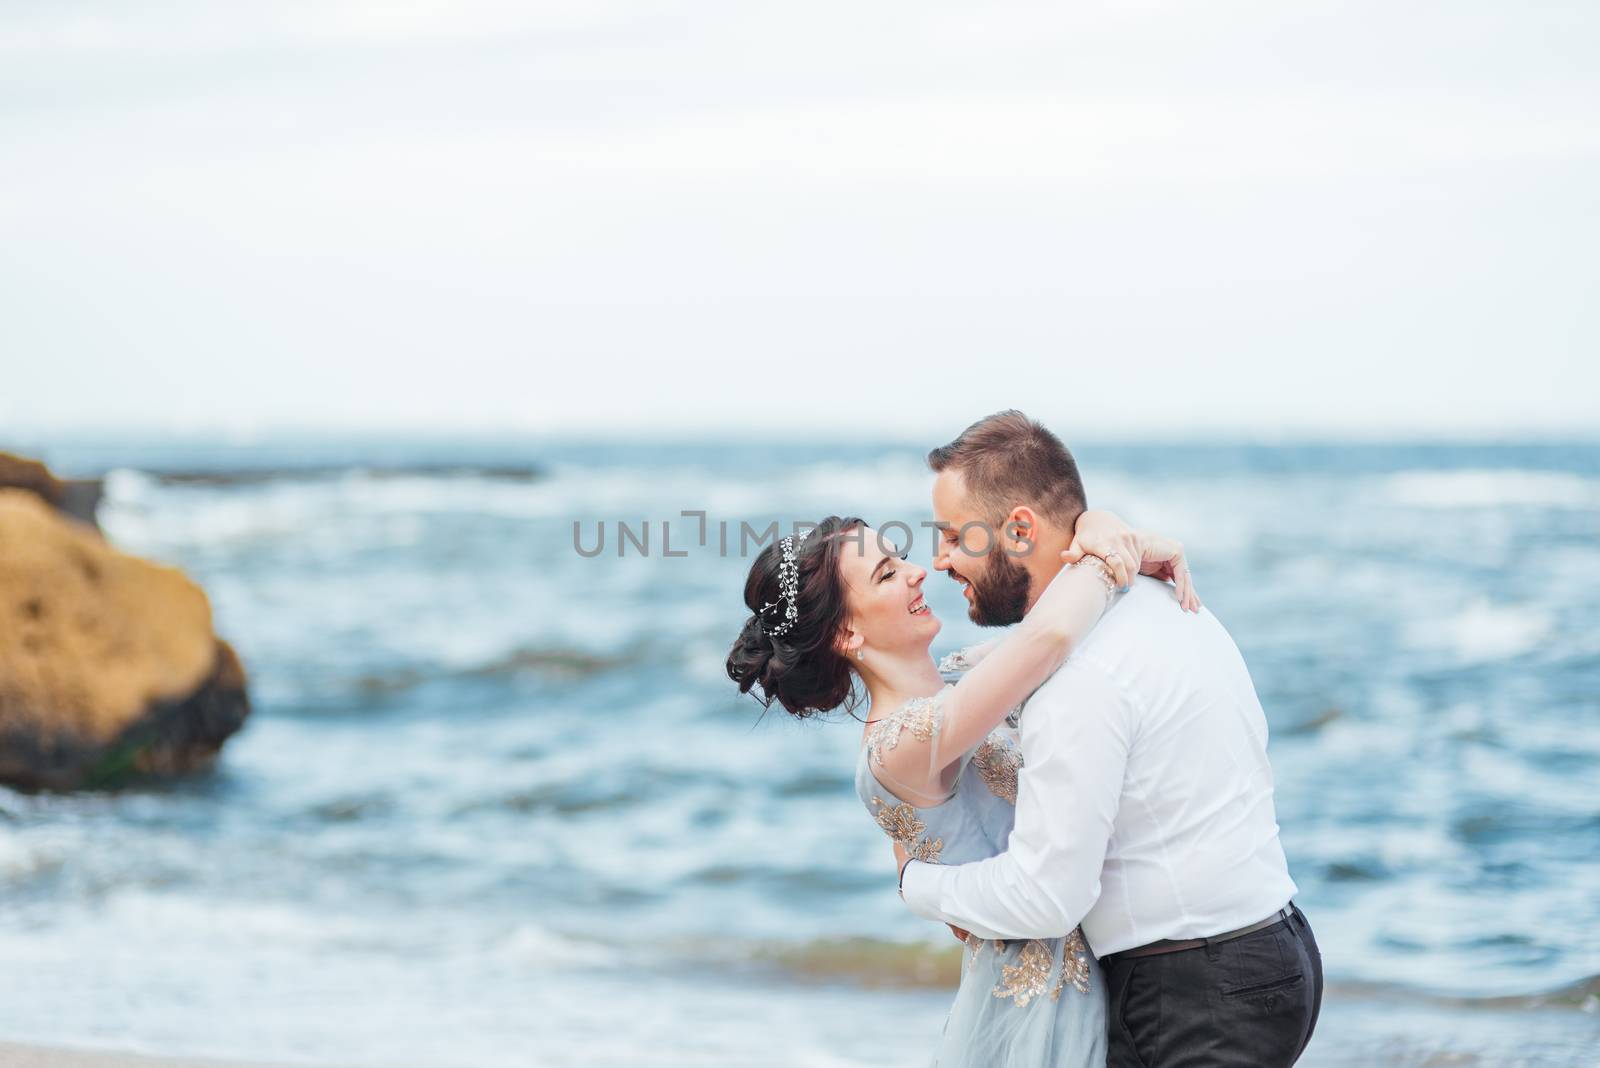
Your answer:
<point x="1075" y="738"/>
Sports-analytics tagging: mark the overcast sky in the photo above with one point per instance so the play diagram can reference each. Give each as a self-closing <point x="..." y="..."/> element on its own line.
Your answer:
<point x="1235" y="217"/>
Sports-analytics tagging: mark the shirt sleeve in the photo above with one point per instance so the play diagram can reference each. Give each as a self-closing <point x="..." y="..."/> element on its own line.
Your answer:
<point x="1075" y="739"/>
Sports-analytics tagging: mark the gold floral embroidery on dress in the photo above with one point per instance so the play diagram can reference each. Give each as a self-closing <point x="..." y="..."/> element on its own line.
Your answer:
<point x="1074" y="965"/>
<point x="998" y="762"/>
<point x="920" y="716"/>
<point x="1028" y="978"/>
<point x="974" y="945"/>
<point x="902" y="824"/>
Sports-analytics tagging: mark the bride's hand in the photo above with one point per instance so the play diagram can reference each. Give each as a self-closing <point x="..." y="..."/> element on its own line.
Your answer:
<point x="1104" y="535"/>
<point x="1163" y="558"/>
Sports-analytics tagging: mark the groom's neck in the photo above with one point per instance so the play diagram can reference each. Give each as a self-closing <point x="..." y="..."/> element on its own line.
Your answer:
<point x="1044" y="563"/>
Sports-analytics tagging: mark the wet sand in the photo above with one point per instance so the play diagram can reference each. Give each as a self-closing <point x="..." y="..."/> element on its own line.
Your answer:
<point x="1360" y="1027"/>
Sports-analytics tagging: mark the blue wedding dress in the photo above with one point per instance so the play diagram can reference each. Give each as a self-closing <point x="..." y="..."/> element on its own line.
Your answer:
<point x="1030" y="1003"/>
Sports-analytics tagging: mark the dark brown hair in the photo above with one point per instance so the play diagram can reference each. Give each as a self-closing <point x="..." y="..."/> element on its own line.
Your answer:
<point x="1007" y="459"/>
<point x="800" y="669"/>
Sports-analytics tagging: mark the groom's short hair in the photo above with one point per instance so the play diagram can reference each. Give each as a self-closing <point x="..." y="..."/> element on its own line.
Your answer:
<point x="1007" y="459"/>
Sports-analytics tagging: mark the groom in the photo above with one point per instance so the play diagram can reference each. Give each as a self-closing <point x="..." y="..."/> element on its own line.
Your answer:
<point x="1144" y="806"/>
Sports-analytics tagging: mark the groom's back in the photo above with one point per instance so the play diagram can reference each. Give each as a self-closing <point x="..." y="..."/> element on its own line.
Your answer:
<point x="1194" y="846"/>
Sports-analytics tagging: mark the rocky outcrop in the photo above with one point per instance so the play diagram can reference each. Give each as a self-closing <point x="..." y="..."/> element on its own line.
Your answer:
<point x="109" y="667"/>
<point x="77" y="497"/>
<point x="22" y="473"/>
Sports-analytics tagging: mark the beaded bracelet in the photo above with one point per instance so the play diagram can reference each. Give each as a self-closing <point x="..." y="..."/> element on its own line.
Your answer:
<point x="1103" y="570"/>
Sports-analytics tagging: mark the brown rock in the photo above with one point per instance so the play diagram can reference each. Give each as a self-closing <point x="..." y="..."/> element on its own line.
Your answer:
<point x="77" y="497"/>
<point x="31" y="475"/>
<point x="108" y="663"/>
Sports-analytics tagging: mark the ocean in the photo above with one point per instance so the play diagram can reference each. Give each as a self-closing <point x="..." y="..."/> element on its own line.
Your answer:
<point x="498" y="803"/>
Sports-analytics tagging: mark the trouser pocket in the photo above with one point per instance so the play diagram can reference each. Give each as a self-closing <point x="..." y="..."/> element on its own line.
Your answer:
<point x="1265" y="996"/>
<point x="1129" y="996"/>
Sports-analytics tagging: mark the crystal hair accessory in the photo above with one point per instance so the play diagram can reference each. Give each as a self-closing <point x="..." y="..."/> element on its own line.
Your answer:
<point x="788" y="583"/>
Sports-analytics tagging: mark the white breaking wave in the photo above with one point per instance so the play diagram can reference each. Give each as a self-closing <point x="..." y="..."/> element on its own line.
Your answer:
<point x="1483" y="488"/>
<point x="1483" y="631"/>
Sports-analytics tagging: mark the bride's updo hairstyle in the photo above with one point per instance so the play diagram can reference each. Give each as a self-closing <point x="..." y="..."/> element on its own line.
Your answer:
<point x="798" y="666"/>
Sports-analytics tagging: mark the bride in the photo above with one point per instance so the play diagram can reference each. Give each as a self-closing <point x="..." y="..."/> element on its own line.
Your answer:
<point x="937" y="767"/>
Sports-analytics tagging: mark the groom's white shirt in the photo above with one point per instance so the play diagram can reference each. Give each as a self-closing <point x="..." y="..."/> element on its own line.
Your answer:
<point x="1144" y="804"/>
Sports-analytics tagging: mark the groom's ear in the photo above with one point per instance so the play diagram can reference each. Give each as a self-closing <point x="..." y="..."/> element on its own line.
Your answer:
<point x="1020" y="532"/>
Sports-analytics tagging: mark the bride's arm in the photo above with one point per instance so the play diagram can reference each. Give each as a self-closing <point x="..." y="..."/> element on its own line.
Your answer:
<point x="1102" y="534"/>
<point x="922" y="761"/>
<point x="1069" y="607"/>
<point x="924" y="764"/>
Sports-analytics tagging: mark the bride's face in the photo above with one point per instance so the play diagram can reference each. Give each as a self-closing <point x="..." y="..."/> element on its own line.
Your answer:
<point x="885" y="596"/>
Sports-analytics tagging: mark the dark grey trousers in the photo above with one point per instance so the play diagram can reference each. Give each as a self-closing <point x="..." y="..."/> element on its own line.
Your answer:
<point x="1249" y="1002"/>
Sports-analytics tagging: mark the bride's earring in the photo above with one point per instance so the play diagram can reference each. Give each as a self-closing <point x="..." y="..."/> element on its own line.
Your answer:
<point x="861" y="654"/>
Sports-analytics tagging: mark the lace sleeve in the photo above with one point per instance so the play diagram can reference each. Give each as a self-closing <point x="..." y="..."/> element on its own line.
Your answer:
<point x="903" y="749"/>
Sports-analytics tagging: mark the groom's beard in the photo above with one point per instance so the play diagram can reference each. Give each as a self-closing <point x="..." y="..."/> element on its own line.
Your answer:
<point x="1001" y="599"/>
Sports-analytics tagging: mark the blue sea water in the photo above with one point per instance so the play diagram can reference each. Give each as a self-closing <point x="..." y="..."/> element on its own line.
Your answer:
<point x="498" y="803"/>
